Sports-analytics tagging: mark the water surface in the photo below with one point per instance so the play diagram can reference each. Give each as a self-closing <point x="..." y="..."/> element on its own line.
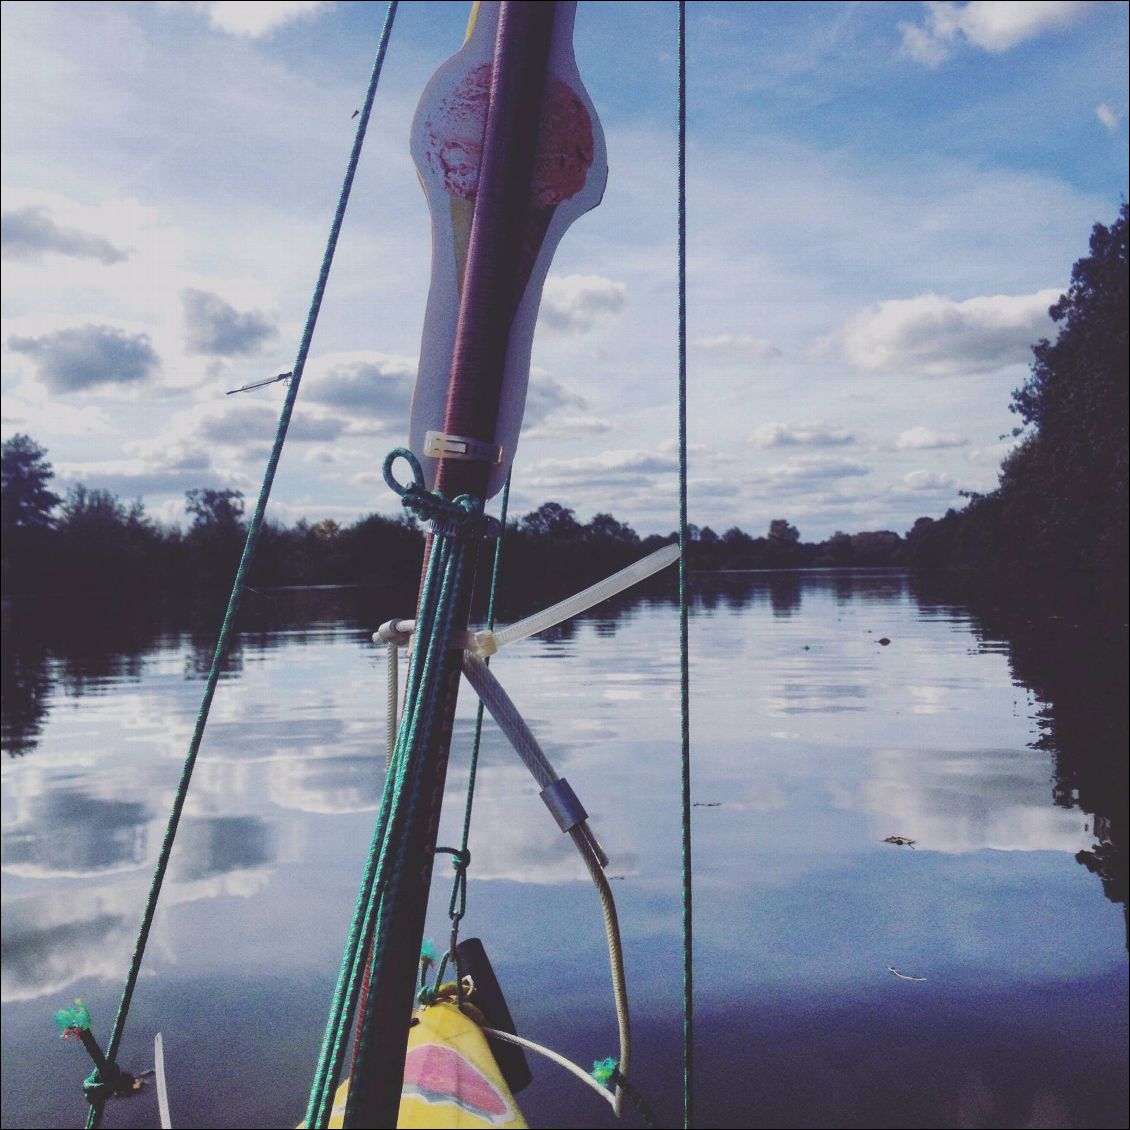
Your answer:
<point x="814" y="741"/>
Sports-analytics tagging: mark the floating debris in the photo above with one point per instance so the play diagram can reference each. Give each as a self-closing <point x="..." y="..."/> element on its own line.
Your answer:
<point x="902" y="841"/>
<point x="707" y="804"/>
<point x="904" y="976"/>
<point x="883" y="641"/>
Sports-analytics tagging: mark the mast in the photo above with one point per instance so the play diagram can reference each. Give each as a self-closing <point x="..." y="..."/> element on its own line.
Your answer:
<point x="513" y="229"/>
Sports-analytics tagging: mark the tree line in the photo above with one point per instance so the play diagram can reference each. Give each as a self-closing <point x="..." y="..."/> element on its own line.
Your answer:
<point x="90" y="540"/>
<point x="1059" y="513"/>
<point x="1060" y="510"/>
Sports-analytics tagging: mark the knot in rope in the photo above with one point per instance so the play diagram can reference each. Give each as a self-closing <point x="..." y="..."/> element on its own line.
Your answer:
<point x="117" y="1084"/>
<point x="460" y="857"/>
<point x="461" y="517"/>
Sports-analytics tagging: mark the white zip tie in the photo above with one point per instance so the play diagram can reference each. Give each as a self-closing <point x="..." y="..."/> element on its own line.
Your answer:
<point x="560" y="1060"/>
<point x="487" y="643"/>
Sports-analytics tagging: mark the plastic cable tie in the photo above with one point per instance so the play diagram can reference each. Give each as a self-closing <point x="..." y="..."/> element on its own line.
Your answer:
<point x="438" y="445"/>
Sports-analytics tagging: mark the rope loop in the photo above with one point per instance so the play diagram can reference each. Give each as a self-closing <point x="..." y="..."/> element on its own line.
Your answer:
<point x="417" y="471"/>
<point x="461" y="518"/>
<point x="460" y="857"/>
<point x="457" y="906"/>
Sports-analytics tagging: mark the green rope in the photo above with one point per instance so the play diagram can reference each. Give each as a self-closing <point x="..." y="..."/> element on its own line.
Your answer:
<point x="457" y="527"/>
<point x="457" y="906"/>
<point x="684" y="635"/>
<point x="253" y="530"/>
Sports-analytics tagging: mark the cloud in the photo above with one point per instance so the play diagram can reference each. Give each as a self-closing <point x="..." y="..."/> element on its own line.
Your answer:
<point x="130" y="479"/>
<point x="924" y="439"/>
<point x="30" y="232"/>
<point x="214" y="327"/>
<point x="1108" y="115"/>
<point x="992" y="455"/>
<point x="568" y="427"/>
<point x="376" y="386"/>
<point x="32" y="411"/>
<point x="233" y="425"/>
<point x="256" y="18"/>
<point x="547" y="395"/>
<point x="631" y="467"/>
<point x="800" y="435"/>
<point x="805" y="469"/>
<point x="76" y="359"/>
<point x="934" y="336"/>
<point x="929" y="482"/>
<point x="573" y="303"/>
<point x="992" y="25"/>
<point x="737" y="347"/>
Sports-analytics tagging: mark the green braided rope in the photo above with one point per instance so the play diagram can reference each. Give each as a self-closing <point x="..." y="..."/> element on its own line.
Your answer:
<point x="448" y="570"/>
<point x="350" y="975"/>
<point x="684" y="637"/>
<point x="253" y="530"/>
<point x="457" y="905"/>
<point x="435" y="633"/>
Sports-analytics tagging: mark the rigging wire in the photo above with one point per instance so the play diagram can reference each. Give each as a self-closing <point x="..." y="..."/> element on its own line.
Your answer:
<point x="227" y="628"/>
<point x="684" y="640"/>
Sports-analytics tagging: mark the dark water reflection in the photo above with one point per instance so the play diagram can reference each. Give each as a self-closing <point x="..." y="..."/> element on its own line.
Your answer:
<point x="831" y="710"/>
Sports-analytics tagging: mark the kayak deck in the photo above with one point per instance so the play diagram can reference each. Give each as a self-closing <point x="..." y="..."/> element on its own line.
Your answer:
<point x="451" y="1078"/>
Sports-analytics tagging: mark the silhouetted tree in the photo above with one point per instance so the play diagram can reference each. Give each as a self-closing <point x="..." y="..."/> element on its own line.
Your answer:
<point x="553" y="520"/>
<point x="1063" y="491"/>
<point x="25" y="501"/>
<point x="218" y="509"/>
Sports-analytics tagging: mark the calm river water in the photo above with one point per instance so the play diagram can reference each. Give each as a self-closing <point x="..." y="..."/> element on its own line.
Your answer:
<point x="830" y="711"/>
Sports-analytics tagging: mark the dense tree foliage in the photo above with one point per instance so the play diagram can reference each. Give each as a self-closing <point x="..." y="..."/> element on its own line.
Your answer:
<point x="25" y="501"/>
<point x="1063" y="490"/>
<point x="1059" y="515"/>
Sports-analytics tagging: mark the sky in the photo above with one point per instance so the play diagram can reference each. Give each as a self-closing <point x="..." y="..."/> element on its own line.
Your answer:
<point x="883" y="201"/>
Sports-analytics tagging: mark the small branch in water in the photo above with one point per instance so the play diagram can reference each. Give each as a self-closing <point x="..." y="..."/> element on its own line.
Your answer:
<point x="902" y="841"/>
<point x="904" y="976"/>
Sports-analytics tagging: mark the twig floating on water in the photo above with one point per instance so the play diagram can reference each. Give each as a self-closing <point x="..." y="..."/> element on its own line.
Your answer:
<point x="904" y="976"/>
<point x="902" y="841"/>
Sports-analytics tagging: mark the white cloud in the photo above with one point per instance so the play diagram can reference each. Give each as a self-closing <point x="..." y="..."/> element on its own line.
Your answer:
<point x="934" y="336"/>
<point x="624" y="468"/>
<point x="255" y="18"/>
<point x="992" y="25"/>
<point x="805" y="469"/>
<point x="925" y="439"/>
<point x="33" y="412"/>
<point x="816" y="434"/>
<point x="1108" y="115"/>
<point x="993" y="455"/>
<point x="737" y="347"/>
<point x="929" y="481"/>
<point x="574" y="303"/>
<point x="567" y="427"/>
